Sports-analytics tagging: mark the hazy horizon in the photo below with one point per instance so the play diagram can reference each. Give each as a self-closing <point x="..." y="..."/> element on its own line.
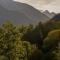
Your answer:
<point x="51" y="5"/>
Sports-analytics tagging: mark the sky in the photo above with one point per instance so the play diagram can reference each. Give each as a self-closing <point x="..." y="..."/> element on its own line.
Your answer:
<point x="51" y="5"/>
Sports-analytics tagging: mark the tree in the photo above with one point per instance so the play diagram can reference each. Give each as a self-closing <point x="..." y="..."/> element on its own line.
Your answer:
<point x="11" y="45"/>
<point x="50" y="44"/>
<point x="34" y="34"/>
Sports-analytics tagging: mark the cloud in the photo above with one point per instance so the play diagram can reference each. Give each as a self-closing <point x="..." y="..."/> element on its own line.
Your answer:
<point x="36" y="1"/>
<point x="51" y="5"/>
<point x="54" y="6"/>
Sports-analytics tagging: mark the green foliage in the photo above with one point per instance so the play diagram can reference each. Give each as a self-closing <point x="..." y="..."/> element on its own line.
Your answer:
<point x="34" y="34"/>
<point x="11" y="45"/>
<point x="28" y="42"/>
<point x="51" y="25"/>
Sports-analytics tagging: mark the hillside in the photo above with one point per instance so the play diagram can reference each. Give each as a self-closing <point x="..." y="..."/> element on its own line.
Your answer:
<point x="20" y="13"/>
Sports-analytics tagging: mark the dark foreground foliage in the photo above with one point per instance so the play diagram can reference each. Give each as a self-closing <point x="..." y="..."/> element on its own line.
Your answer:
<point x="27" y="42"/>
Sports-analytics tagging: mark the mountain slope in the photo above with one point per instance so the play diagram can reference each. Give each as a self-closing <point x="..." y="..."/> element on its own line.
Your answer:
<point x="15" y="17"/>
<point x="50" y="15"/>
<point x="20" y="13"/>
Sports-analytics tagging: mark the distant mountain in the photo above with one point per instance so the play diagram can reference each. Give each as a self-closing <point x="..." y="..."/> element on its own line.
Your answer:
<point x="50" y="15"/>
<point x="20" y="13"/>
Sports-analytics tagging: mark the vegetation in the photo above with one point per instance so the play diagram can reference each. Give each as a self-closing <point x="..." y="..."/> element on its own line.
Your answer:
<point x="27" y="42"/>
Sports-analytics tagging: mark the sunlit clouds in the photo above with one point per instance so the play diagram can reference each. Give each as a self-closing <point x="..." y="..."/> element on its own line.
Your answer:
<point x="51" y="5"/>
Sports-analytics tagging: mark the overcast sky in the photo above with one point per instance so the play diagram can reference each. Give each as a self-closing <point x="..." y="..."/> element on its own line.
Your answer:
<point x="51" y="5"/>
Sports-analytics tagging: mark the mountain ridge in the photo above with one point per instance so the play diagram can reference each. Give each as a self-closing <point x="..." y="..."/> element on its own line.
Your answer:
<point x="22" y="13"/>
<point x="49" y="14"/>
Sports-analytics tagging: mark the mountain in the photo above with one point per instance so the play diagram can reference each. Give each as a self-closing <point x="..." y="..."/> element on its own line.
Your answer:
<point x="50" y="15"/>
<point x="20" y="13"/>
<point x="15" y="17"/>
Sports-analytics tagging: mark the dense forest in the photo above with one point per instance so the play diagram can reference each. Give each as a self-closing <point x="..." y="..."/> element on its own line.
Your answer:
<point x="28" y="42"/>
